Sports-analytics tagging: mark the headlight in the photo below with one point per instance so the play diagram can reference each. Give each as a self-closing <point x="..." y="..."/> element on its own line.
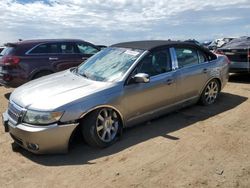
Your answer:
<point x="41" y="118"/>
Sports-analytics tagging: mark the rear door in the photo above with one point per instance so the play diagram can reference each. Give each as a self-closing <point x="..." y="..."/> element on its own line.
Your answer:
<point x="67" y="56"/>
<point x="193" y="70"/>
<point x="53" y="56"/>
<point x="42" y="57"/>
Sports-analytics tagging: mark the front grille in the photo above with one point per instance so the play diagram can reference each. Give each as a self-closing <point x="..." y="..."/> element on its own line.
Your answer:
<point x="15" y="112"/>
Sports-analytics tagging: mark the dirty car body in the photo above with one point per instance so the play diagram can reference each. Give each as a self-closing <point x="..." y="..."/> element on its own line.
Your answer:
<point x="120" y="86"/>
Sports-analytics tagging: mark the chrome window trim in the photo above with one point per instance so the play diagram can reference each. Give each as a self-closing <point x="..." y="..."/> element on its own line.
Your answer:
<point x="30" y="50"/>
<point x="173" y="58"/>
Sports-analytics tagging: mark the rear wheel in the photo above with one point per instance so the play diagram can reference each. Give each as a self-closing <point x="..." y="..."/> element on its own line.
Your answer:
<point x="41" y="74"/>
<point x="101" y="127"/>
<point x="210" y="93"/>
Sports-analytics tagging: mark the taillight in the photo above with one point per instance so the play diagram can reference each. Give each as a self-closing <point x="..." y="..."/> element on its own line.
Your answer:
<point x="227" y="59"/>
<point x="11" y="60"/>
<point x="248" y="55"/>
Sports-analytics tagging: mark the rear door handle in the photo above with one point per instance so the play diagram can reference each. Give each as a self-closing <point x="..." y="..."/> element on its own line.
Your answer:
<point x="84" y="58"/>
<point x="169" y="81"/>
<point x="53" y="58"/>
<point x="205" y="70"/>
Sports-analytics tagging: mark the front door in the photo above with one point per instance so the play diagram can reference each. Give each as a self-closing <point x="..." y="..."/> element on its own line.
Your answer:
<point x="144" y="100"/>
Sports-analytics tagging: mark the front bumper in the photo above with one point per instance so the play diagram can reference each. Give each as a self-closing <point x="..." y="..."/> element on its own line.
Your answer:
<point x="53" y="138"/>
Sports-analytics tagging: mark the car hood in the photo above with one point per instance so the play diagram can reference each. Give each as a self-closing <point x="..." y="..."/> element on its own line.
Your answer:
<point x="51" y="92"/>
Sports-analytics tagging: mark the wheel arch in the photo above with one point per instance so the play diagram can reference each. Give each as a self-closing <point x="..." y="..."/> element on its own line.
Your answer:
<point x="104" y="106"/>
<point x="36" y="72"/>
<point x="213" y="78"/>
<point x="83" y="115"/>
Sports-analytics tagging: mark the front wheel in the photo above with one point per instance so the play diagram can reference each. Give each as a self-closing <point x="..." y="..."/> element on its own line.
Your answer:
<point x="210" y="93"/>
<point x="101" y="127"/>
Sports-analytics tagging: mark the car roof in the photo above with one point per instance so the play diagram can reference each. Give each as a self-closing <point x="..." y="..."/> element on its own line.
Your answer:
<point x="150" y="44"/>
<point x="37" y="41"/>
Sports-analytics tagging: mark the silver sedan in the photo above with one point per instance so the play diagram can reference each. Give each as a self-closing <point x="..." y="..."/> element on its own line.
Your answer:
<point x="120" y="86"/>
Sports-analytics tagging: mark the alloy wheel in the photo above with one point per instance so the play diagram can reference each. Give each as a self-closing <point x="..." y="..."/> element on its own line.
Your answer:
<point x="211" y="92"/>
<point x="107" y="125"/>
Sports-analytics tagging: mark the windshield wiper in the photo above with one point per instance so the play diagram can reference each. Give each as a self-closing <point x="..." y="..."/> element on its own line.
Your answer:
<point x="84" y="75"/>
<point x="77" y="73"/>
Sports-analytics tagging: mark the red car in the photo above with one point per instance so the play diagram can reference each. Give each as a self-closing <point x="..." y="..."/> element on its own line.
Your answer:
<point x="23" y="61"/>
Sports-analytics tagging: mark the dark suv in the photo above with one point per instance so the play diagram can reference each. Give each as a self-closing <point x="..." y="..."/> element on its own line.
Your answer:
<point x="27" y="60"/>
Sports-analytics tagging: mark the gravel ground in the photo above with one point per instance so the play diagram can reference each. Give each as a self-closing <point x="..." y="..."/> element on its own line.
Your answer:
<point x="194" y="147"/>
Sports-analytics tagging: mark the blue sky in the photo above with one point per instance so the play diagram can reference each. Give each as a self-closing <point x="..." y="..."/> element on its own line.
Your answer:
<point x="112" y="21"/>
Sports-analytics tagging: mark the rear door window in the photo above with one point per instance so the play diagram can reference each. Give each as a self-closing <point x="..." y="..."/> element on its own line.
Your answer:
<point x="41" y="49"/>
<point x="186" y="57"/>
<point x="50" y="48"/>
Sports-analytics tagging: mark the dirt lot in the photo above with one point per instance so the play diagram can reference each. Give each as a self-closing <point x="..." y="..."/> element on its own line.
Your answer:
<point x="194" y="147"/>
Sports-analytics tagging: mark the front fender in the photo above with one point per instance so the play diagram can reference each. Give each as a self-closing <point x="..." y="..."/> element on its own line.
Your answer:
<point x="84" y="106"/>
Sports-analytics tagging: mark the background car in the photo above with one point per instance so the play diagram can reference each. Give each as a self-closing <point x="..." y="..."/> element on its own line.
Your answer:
<point x="102" y="46"/>
<point x="120" y="86"/>
<point x="218" y="43"/>
<point x="23" y="61"/>
<point x="238" y="52"/>
<point x="193" y="41"/>
<point x="1" y="48"/>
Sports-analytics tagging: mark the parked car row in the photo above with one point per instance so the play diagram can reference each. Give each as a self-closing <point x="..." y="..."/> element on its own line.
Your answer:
<point x="23" y="61"/>
<point x="122" y="85"/>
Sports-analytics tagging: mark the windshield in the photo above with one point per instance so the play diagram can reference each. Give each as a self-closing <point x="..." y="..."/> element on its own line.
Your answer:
<point x="109" y="64"/>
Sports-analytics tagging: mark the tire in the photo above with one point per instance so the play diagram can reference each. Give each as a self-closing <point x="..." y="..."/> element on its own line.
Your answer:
<point x="41" y="74"/>
<point x="101" y="128"/>
<point x="210" y="92"/>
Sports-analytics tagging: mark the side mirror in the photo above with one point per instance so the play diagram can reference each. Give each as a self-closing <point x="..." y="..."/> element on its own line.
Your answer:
<point x="141" y="78"/>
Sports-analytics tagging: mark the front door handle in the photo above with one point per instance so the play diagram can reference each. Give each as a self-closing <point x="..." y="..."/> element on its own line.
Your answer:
<point x="84" y="58"/>
<point x="53" y="58"/>
<point x="169" y="81"/>
<point x="205" y="70"/>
